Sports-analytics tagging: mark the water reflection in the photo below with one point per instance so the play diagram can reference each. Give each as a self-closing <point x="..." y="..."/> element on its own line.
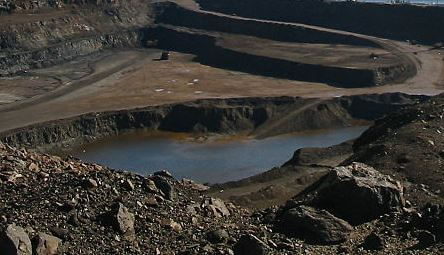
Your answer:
<point x="213" y="161"/>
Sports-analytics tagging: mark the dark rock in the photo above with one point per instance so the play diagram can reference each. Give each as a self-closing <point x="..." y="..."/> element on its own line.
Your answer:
<point x="163" y="173"/>
<point x="128" y="185"/>
<point x="217" y="236"/>
<point x="163" y="185"/>
<point x="69" y="205"/>
<point x="61" y="233"/>
<point x="15" y="241"/>
<point x="343" y="249"/>
<point x="250" y="245"/>
<point x="89" y="184"/>
<point x="373" y="242"/>
<point x="73" y="218"/>
<point x="314" y="225"/>
<point x="46" y="244"/>
<point x="121" y="220"/>
<point x="269" y="218"/>
<point x="425" y="238"/>
<point x="356" y="193"/>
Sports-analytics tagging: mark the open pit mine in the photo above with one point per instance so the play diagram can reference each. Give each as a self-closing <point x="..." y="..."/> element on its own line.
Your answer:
<point x="221" y="127"/>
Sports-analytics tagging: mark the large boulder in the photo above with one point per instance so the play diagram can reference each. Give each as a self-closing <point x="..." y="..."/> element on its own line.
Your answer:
<point x="15" y="241"/>
<point x="314" y="225"/>
<point x="356" y="193"/>
<point x="45" y="244"/>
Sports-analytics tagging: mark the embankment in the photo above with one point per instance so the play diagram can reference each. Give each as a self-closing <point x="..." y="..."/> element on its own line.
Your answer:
<point x="53" y="33"/>
<point x="173" y="14"/>
<point x="399" y="22"/>
<point x="205" y="46"/>
<point x="17" y="62"/>
<point x="224" y="116"/>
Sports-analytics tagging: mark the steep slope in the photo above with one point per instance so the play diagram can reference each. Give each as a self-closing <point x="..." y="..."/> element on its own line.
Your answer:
<point x="408" y="144"/>
<point x="35" y="34"/>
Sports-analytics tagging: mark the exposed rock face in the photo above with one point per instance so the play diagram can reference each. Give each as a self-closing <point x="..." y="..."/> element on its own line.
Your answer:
<point x="408" y="145"/>
<point x="250" y="245"/>
<point x="60" y="34"/>
<point x="364" y="18"/>
<point x="357" y="193"/>
<point x="46" y="244"/>
<point x="317" y="226"/>
<point x="15" y="241"/>
<point x="223" y="116"/>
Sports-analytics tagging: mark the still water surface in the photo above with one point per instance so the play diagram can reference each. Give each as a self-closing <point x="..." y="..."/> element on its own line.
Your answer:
<point x="212" y="161"/>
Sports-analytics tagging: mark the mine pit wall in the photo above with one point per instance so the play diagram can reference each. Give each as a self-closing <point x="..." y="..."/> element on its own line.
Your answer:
<point x="210" y="53"/>
<point x="399" y="22"/>
<point x="46" y="43"/>
<point x="19" y="62"/>
<point x="60" y="34"/>
<point x="222" y="116"/>
<point x="172" y="14"/>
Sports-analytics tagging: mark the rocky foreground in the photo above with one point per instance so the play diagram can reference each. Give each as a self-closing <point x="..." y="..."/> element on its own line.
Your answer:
<point x="53" y="206"/>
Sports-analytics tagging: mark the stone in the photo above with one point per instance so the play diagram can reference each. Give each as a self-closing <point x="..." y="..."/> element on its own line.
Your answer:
<point x="33" y="167"/>
<point x="215" y="207"/>
<point x="356" y="193"/>
<point x="194" y="185"/>
<point x="121" y="220"/>
<point x="163" y="185"/>
<point x="163" y="173"/>
<point x="45" y="244"/>
<point x="60" y="233"/>
<point x="425" y="238"/>
<point x="250" y="245"/>
<point x="217" y="236"/>
<point x="150" y="186"/>
<point x="315" y="225"/>
<point x="90" y="184"/>
<point x="128" y="185"/>
<point x="151" y="201"/>
<point x="15" y="241"/>
<point x="73" y="218"/>
<point x="171" y="224"/>
<point x="373" y="242"/>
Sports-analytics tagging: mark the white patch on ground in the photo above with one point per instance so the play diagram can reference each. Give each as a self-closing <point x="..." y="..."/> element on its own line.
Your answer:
<point x="9" y="98"/>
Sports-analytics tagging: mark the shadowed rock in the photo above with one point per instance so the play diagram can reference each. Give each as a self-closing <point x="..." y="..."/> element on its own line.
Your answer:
<point x="250" y="245"/>
<point x="373" y="242"/>
<point x="163" y="185"/>
<point x="356" y="193"/>
<point x="15" y="241"/>
<point x="317" y="226"/>
<point x="121" y="220"/>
